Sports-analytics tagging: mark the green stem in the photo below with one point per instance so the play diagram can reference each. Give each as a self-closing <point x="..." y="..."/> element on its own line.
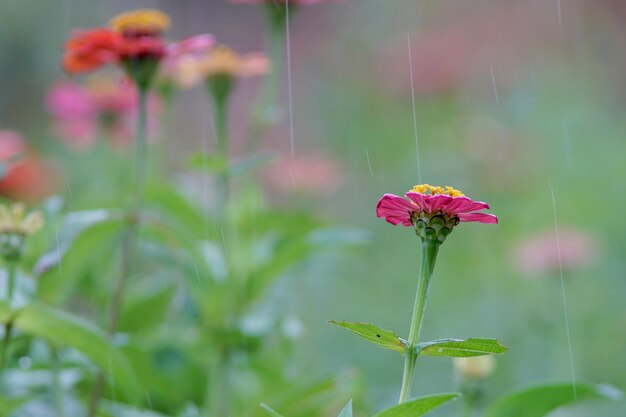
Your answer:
<point x="429" y="256"/>
<point x="218" y="397"/>
<point x="467" y="407"/>
<point x="8" y="327"/>
<point x="268" y="92"/>
<point x="129" y="243"/>
<point x="57" y="391"/>
<point x="221" y="128"/>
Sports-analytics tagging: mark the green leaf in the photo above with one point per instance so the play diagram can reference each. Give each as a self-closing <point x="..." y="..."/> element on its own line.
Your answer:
<point x="270" y="410"/>
<point x="211" y="163"/>
<point x="64" y="329"/>
<point x="540" y="400"/>
<point x="89" y="252"/>
<point x="5" y="311"/>
<point x="458" y="348"/>
<point x="347" y="410"/>
<point x="115" y="409"/>
<point x="8" y="405"/>
<point x="383" y="338"/>
<point x="147" y="308"/>
<point x="419" y="406"/>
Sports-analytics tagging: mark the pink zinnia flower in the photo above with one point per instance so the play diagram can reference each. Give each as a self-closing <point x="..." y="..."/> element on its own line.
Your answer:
<point x="433" y="211"/>
<point x="102" y="107"/>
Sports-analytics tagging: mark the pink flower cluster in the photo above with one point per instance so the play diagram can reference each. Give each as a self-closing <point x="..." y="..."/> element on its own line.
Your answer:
<point x="101" y="108"/>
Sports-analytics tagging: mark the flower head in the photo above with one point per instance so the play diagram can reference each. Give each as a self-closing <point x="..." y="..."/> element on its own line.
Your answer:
<point x="102" y="106"/>
<point x="14" y="220"/>
<point x="87" y="50"/>
<point x="220" y="62"/>
<point x="543" y="253"/>
<point x="273" y="2"/>
<point x="433" y="211"/>
<point x="474" y="368"/>
<point x="140" y="22"/>
<point x="24" y="175"/>
<point x="313" y="175"/>
<point x="15" y="227"/>
<point x="12" y="145"/>
<point x="133" y="41"/>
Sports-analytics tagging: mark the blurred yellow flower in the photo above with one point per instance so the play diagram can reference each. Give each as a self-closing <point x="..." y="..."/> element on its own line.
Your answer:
<point x="14" y="220"/>
<point x="478" y="367"/>
<point x="142" y="21"/>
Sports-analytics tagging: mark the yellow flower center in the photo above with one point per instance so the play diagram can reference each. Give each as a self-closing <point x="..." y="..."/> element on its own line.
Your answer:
<point x="140" y="21"/>
<point x="221" y="60"/>
<point x="430" y="190"/>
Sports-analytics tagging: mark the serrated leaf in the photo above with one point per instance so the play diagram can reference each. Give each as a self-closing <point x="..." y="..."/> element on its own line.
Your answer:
<point x="270" y="410"/>
<point x="459" y="348"/>
<point x="538" y="401"/>
<point x="347" y="410"/>
<point x="418" y="407"/>
<point x="369" y="331"/>
<point x="65" y="329"/>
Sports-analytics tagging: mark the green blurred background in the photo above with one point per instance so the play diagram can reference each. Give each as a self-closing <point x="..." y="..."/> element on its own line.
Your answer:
<point x="516" y="102"/>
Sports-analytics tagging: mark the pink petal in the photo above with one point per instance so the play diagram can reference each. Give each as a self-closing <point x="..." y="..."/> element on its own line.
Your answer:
<point x="193" y="44"/>
<point x="418" y="199"/>
<point x="437" y="202"/>
<point x="478" y="217"/>
<point x="394" y="209"/>
<point x="465" y="205"/>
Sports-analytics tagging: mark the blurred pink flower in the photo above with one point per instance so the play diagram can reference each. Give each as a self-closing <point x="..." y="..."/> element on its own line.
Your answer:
<point x="315" y="175"/>
<point x="183" y="50"/>
<point x="451" y="55"/>
<point x="538" y="254"/>
<point x="12" y="145"/>
<point x="24" y="176"/>
<point x="101" y="108"/>
<point x="428" y="200"/>
<point x="281" y="1"/>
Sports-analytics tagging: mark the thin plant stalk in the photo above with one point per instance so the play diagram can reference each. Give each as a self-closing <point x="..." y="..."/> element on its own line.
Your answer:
<point x="429" y="256"/>
<point x="468" y="407"/>
<point x="222" y="145"/>
<point x="218" y="396"/>
<point x="268" y="91"/>
<point x="129" y="242"/>
<point x="8" y="327"/>
<point x="57" y="391"/>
